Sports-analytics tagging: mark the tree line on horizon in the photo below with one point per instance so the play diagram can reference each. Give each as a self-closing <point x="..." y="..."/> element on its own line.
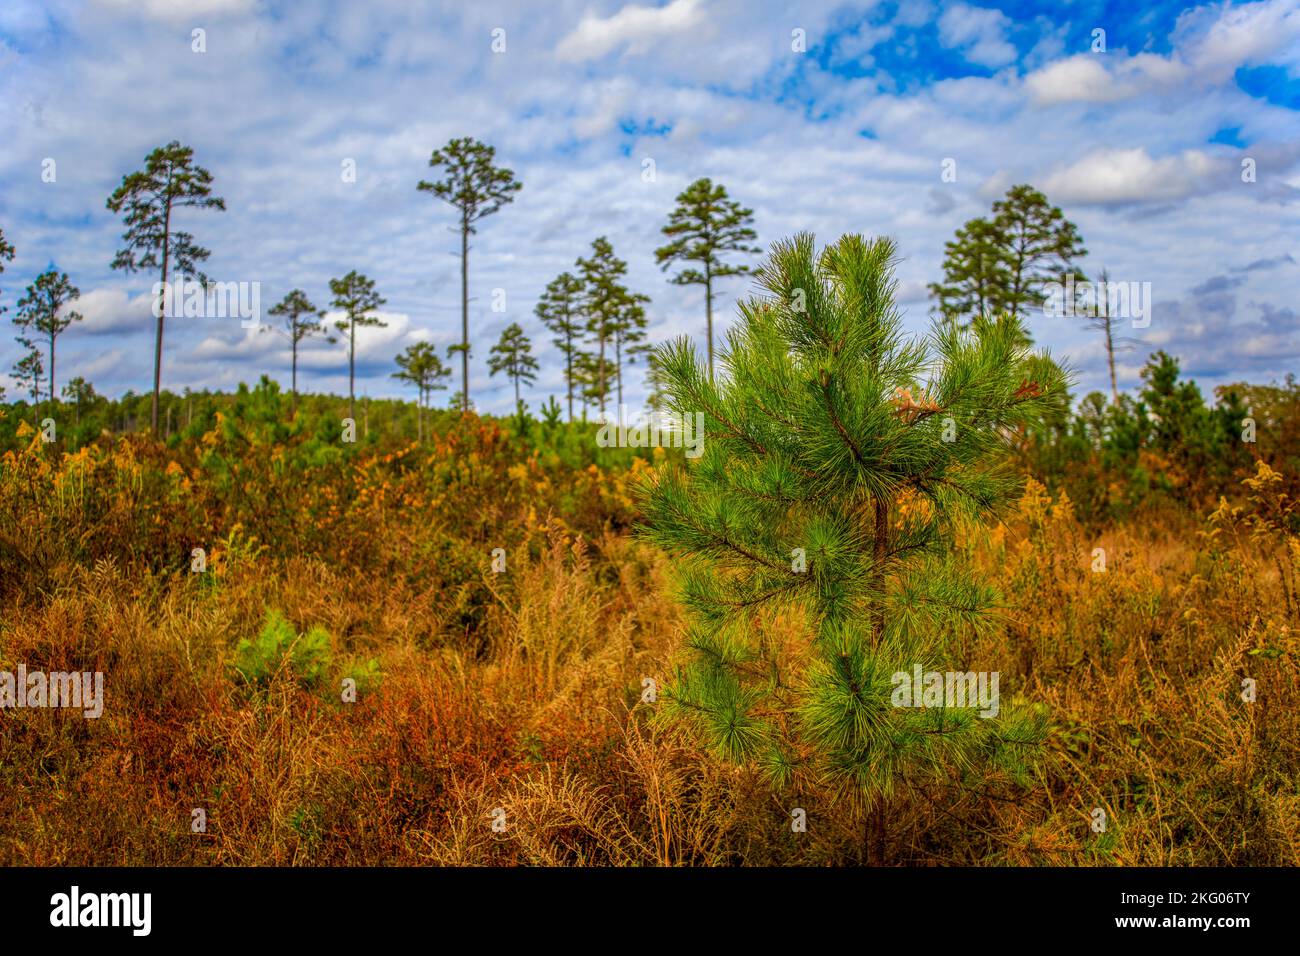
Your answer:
<point x="598" y="322"/>
<point x="994" y="270"/>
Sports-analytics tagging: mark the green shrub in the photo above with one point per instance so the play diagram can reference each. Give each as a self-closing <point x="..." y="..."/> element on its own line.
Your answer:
<point x="278" y="648"/>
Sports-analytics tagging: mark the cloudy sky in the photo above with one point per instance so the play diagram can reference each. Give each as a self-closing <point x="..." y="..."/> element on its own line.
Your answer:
<point x="1142" y="145"/>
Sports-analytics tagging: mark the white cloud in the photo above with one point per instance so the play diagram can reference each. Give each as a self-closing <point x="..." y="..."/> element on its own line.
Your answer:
<point x="1077" y="78"/>
<point x="635" y="27"/>
<point x="109" y="311"/>
<point x="979" y="33"/>
<point x="1132" y="175"/>
<point x="1240" y="36"/>
<point x="1083" y="78"/>
<point x="376" y="341"/>
<point x="1210" y="44"/>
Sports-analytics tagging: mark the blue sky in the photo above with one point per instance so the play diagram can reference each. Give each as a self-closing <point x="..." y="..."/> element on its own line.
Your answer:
<point x="1141" y="145"/>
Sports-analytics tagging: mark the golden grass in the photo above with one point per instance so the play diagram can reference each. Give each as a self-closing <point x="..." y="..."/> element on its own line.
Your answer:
<point x="537" y="712"/>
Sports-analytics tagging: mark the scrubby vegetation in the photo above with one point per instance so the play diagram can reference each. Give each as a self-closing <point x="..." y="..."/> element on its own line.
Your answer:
<point x="523" y="691"/>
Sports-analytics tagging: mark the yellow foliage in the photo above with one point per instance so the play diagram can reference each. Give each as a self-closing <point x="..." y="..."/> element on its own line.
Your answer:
<point x="1035" y="501"/>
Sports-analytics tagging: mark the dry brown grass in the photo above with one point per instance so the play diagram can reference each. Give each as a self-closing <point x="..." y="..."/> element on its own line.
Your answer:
<point x="539" y="714"/>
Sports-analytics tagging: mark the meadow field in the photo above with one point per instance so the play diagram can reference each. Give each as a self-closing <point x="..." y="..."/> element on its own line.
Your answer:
<point x="522" y="692"/>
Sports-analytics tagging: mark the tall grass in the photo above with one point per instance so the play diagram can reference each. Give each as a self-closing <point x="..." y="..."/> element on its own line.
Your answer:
<point x="518" y="697"/>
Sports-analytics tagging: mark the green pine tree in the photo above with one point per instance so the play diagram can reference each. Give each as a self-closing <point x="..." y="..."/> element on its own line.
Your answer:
<point x="169" y="181"/>
<point x="1000" y="264"/>
<point x="611" y="310"/>
<point x="1041" y="246"/>
<point x="587" y="377"/>
<point x="476" y="188"/>
<point x="513" y="354"/>
<point x="30" y="369"/>
<point x="301" y="320"/>
<point x="560" y="310"/>
<point x="356" y="297"/>
<point x="823" y="423"/>
<point x="629" y="336"/>
<point x="81" y="393"/>
<point x="43" y="311"/>
<point x="654" y="379"/>
<point x="420" y="366"/>
<point x="975" y="274"/>
<point x="704" y="224"/>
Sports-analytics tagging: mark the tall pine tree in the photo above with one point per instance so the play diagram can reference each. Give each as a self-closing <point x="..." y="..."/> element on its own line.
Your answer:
<point x="420" y="366"/>
<point x="560" y="310"/>
<point x="1041" y="245"/>
<point x="975" y="274"/>
<point x="301" y="321"/>
<point x="169" y="181"/>
<point x="841" y="464"/>
<point x="6" y="254"/>
<point x="611" y="310"/>
<point x="1000" y="264"/>
<point x="356" y="297"/>
<point x="43" y="312"/>
<point x="705" y="224"/>
<point x="513" y="354"/>
<point x="629" y="336"/>
<point x="30" y="369"/>
<point x="476" y="188"/>
<point x="1097" y="311"/>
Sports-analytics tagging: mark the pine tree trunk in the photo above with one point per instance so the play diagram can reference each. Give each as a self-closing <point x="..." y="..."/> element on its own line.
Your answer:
<point x="708" y="313"/>
<point x="879" y="554"/>
<point x="875" y="834"/>
<point x="602" y="372"/>
<point x="158" y="338"/>
<point x="1110" y="359"/>
<point x="618" y="369"/>
<point x="568" y="374"/>
<point x="464" y="311"/>
<point x="979" y="269"/>
<point x="352" y="369"/>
